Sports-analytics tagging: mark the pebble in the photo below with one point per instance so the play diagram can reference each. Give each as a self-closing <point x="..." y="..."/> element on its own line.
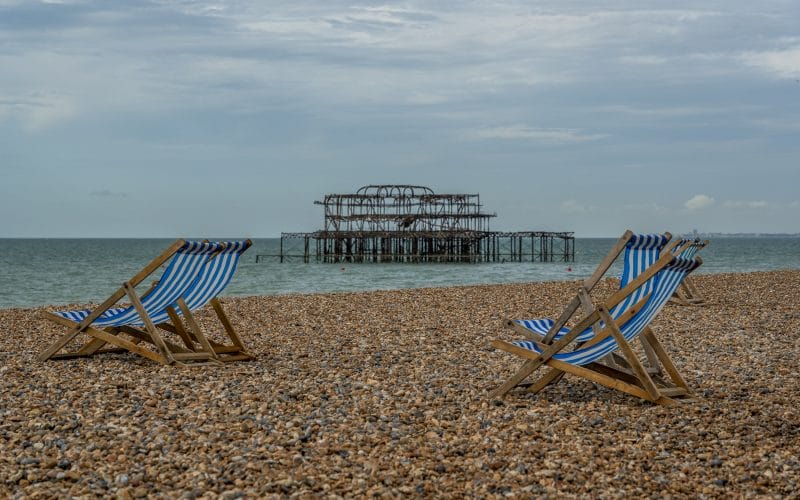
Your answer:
<point x="385" y="393"/>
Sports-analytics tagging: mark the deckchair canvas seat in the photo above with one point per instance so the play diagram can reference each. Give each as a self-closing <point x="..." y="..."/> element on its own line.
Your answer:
<point x="669" y="280"/>
<point x="640" y="252"/>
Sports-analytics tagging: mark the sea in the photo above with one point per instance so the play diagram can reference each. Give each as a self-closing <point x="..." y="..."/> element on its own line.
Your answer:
<point x="35" y="272"/>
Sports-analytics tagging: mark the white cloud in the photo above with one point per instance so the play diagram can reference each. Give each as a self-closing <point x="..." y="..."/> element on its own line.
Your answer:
<point x="745" y="204"/>
<point x="574" y="207"/>
<point x="699" y="201"/>
<point x="546" y="135"/>
<point x="782" y="63"/>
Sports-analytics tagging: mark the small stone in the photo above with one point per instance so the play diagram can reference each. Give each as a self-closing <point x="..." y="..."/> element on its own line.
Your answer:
<point x="122" y="480"/>
<point x="28" y="461"/>
<point x="140" y="492"/>
<point x="124" y="494"/>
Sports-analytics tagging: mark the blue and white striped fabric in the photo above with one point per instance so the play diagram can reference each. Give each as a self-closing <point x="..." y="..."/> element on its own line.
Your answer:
<point x="178" y="277"/>
<point x="691" y="250"/>
<point x="542" y="326"/>
<point x="641" y="252"/>
<point x="212" y="280"/>
<point x="666" y="281"/>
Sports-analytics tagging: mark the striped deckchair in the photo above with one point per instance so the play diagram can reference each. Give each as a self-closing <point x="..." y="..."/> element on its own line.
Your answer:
<point x="105" y="322"/>
<point x="687" y="294"/>
<point x="615" y="336"/>
<point x="213" y="278"/>
<point x="640" y="252"/>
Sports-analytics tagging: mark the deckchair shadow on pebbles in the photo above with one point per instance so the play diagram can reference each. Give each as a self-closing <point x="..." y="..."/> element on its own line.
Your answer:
<point x="613" y="335"/>
<point x="193" y="270"/>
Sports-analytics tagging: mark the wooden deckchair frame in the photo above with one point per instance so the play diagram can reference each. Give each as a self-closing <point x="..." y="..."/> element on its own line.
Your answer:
<point x="191" y="336"/>
<point x="235" y="351"/>
<point x="167" y="352"/>
<point x="582" y="299"/>
<point x="687" y="293"/>
<point x="637" y="382"/>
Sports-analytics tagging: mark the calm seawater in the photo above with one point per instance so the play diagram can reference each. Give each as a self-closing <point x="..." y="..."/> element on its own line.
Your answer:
<point x="35" y="272"/>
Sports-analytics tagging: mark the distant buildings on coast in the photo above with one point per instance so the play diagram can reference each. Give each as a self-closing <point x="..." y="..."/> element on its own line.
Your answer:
<point x="696" y="234"/>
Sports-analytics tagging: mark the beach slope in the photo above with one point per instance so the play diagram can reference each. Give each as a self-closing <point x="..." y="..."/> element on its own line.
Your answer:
<point x="385" y="393"/>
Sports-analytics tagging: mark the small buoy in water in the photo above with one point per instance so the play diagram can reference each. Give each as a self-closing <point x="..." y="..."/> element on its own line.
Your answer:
<point x="569" y="269"/>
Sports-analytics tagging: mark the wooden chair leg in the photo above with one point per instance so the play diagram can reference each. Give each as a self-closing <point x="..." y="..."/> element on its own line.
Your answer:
<point x="196" y="331"/>
<point x="666" y="361"/>
<point x="630" y="357"/>
<point x="525" y="370"/>
<point x="610" y="381"/>
<point x="652" y="360"/>
<point x="149" y="326"/>
<point x="179" y="328"/>
<point x="223" y="318"/>
<point x="551" y="377"/>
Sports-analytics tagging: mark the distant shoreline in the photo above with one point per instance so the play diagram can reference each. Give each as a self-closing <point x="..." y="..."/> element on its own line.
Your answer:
<point x="218" y="237"/>
<point x="333" y="294"/>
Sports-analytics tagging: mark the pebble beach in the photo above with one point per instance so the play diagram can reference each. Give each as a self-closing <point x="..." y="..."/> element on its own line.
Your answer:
<point x="385" y="394"/>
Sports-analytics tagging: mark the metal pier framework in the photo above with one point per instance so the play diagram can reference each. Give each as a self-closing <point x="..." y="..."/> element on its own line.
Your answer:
<point x="404" y="223"/>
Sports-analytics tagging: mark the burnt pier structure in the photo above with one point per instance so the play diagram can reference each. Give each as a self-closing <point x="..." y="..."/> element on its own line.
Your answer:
<point x="406" y="223"/>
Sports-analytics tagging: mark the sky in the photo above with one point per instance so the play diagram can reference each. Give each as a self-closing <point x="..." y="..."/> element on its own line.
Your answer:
<point x="229" y="119"/>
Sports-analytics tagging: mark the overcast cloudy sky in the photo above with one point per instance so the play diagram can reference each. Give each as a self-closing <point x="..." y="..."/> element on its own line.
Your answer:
<point x="198" y="118"/>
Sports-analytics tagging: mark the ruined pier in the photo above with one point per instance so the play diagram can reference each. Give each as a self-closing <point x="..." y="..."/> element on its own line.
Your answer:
<point x="406" y="223"/>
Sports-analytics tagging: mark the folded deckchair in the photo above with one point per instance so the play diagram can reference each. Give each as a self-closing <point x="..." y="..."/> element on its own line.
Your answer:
<point x="687" y="294"/>
<point x="105" y="323"/>
<point x="614" y="336"/>
<point x="212" y="279"/>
